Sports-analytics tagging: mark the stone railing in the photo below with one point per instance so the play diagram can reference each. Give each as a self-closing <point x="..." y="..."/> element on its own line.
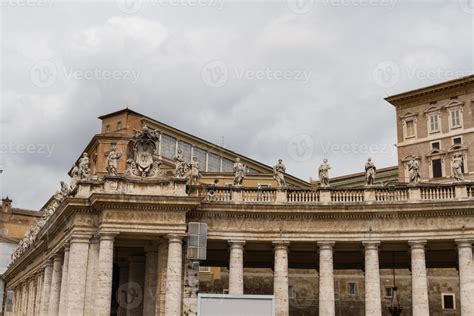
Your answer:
<point x="302" y="196"/>
<point x="370" y="194"/>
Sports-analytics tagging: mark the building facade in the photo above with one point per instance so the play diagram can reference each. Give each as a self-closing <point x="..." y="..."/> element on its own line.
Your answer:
<point x="434" y="125"/>
<point x="116" y="240"/>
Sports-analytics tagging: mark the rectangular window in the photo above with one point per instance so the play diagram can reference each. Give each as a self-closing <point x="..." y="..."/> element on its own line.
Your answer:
<point x="186" y="150"/>
<point x="448" y="301"/>
<point x="437" y="168"/>
<point x="351" y="288"/>
<point x="107" y="128"/>
<point x="291" y="292"/>
<point x="456" y="118"/>
<point x="457" y="140"/>
<point x="410" y="128"/>
<point x="168" y="146"/>
<point x="201" y="157"/>
<point x="435" y="145"/>
<point x="388" y="292"/>
<point x="434" y="126"/>
<point x="227" y="165"/>
<point x="119" y="125"/>
<point x="213" y="163"/>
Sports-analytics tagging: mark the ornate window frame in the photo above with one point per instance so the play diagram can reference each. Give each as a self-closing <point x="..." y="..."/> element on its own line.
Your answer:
<point x="433" y="112"/>
<point x="455" y="106"/>
<point x="409" y="117"/>
<point x="433" y="155"/>
<point x="455" y="150"/>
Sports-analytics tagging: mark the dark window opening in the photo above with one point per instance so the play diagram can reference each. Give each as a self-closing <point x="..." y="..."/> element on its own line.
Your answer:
<point x="435" y="145"/>
<point x="457" y="141"/>
<point x="437" y="169"/>
<point x="448" y="301"/>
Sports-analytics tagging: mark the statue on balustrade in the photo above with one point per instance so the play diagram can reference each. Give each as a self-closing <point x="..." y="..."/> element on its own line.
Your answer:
<point x="195" y="173"/>
<point x="279" y="174"/>
<point x="324" y="173"/>
<point x="370" y="171"/>
<point x="181" y="167"/>
<point x="142" y="148"/>
<point x="83" y="167"/>
<point x="111" y="162"/>
<point x="239" y="172"/>
<point x="457" y="168"/>
<point x="414" y="170"/>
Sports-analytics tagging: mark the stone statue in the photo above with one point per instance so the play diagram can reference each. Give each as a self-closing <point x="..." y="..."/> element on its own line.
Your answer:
<point x="414" y="170"/>
<point x="279" y="174"/>
<point x="142" y="147"/>
<point x="324" y="173"/>
<point x="181" y="166"/>
<point x="195" y="173"/>
<point x="65" y="190"/>
<point x="457" y="168"/>
<point x="112" y="162"/>
<point x="74" y="177"/>
<point x="239" y="172"/>
<point x="370" y="171"/>
<point x="83" y="167"/>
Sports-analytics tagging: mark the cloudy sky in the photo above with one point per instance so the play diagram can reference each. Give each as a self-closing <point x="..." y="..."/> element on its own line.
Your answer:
<point x="298" y="80"/>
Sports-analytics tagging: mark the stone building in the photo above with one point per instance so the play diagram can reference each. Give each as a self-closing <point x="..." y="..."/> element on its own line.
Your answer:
<point x="117" y="239"/>
<point x="435" y="124"/>
<point x="14" y="223"/>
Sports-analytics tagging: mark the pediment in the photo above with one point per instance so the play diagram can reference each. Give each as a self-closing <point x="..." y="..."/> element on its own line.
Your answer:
<point x="433" y="108"/>
<point x="410" y="157"/>
<point x="454" y="103"/>
<point x="408" y="115"/>
<point x="457" y="147"/>
<point x="435" y="152"/>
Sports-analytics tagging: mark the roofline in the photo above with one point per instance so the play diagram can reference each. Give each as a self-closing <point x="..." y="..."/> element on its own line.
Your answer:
<point x="430" y="89"/>
<point x="127" y="110"/>
<point x="208" y="143"/>
<point x="353" y="175"/>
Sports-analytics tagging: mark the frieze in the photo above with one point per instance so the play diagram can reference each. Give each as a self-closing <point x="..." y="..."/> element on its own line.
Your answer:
<point x="148" y="217"/>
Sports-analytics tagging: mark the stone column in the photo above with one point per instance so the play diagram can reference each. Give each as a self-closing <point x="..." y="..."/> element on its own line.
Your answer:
<point x="63" y="295"/>
<point x="161" y="286"/>
<point x="39" y="289"/>
<point x="466" y="276"/>
<point x="123" y="287"/>
<point x="419" y="281"/>
<point x="151" y="280"/>
<point x="91" y="278"/>
<point x="174" y="276"/>
<point x="136" y="280"/>
<point x="326" y="279"/>
<point x="55" y="285"/>
<point x="48" y="274"/>
<point x="373" y="301"/>
<point x="236" y="267"/>
<point x="76" y="281"/>
<point x="105" y="266"/>
<point x="280" y="278"/>
<point x="31" y="297"/>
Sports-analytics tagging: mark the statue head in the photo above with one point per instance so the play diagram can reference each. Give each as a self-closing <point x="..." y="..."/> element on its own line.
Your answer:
<point x="195" y="158"/>
<point x="325" y="160"/>
<point x="237" y="159"/>
<point x="280" y="160"/>
<point x="85" y="155"/>
<point x="369" y="160"/>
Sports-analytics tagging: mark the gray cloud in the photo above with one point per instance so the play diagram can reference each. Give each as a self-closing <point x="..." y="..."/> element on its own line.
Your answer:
<point x="152" y="56"/>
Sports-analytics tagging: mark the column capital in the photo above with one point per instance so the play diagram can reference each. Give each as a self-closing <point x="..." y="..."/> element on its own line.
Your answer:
<point x="107" y="235"/>
<point x="280" y="244"/>
<point x="236" y="243"/>
<point x="326" y="245"/>
<point x="371" y="244"/>
<point x="80" y="238"/>
<point x="49" y="262"/>
<point x="57" y="256"/>
<point x="66" y="246"/>
<point x="175" y="238"/>
<point x="417" y="244"/>
<point x="464" y="243"/>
